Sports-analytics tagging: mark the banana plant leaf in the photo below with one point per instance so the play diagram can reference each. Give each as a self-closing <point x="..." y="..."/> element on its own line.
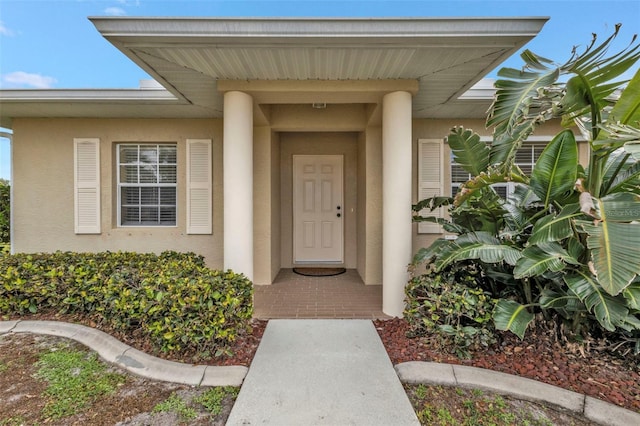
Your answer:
<point x="512" y="316"/>
<point x="487" y="248"/>
<point x="432" y="203"/>
<point x="631" y="323"/>
<point x="556" y="170"/>
<point x="568" y="305"/>
<point x="521" y="205"/>
<point x="538" y="259"/>
<point x="474" y="186"/>
<point x="615" y="252"/>
<point x="554" y="248"/>
<point x="518" y="107"/>
<point x="555" y="228"/>
<point x="627" y="108"/>
<point x="475" y="245"/>
<point x="625" y="111"/>
<point x="505" y="145"/>
<point x="468" y="151"/>
<point x="619" y="207"/>
<point x="594" y="76"/>
<point x="515" y="220"/>
<point x="515" y="93"/>
<point x="632" y="295"/>
<point x="446" y="224"/>
<point x="575" y="248"/>
<point x="426" y="254"/>
<point x="621" y="172"/>
<point x="633" y="148"/>
<point x="523" y="196"/>
<point x="619" y="135"/>
<point x="611" y="312"/>
<point x="614" y="241"/>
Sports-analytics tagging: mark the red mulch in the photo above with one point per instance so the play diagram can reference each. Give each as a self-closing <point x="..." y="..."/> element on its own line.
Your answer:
<point x="241" y="351"/>
<point x="540" y="356"/>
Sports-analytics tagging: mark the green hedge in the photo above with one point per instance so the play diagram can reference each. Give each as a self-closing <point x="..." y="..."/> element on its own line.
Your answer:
<point x="451" y="307"/>
<point x="5" y="211"/>
<point x="173" y="298"/>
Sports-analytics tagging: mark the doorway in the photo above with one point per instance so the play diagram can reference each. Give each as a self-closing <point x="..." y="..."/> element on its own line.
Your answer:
<point x="318" y="209"/>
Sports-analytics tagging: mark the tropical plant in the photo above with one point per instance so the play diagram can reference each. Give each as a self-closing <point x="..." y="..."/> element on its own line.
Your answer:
<point x="568" y="239"/>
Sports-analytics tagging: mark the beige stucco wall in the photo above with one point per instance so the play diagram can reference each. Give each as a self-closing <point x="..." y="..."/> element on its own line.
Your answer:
<point x="266" y="202"/>
<point x="43" y="183"/>
<point x="304" y="118"/>
<point x="329" y="143"/>
<point x="361" y="217"/>
<point x="370" y="205"/>
<point x="276" y="212"/>
<point x="43" y="186"/>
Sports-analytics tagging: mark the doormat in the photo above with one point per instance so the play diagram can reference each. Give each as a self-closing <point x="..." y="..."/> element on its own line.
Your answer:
<point x="319" y="272"/>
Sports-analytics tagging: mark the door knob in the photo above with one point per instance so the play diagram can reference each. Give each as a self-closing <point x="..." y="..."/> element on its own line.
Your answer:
<point x="338" y="215"/>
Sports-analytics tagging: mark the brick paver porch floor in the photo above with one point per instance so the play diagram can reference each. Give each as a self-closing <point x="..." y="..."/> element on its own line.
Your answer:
<point x="296" y="296"/>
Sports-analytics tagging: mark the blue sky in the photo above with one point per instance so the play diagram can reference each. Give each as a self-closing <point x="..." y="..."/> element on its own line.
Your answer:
<point x="52" y="44"/>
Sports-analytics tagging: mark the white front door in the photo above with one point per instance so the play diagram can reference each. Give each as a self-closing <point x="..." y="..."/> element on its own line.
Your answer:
<point x="318" y="209"/>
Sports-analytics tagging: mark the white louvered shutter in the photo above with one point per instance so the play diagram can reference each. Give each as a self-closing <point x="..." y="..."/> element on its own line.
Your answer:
<point x="87" y="185"/>
<point x="430" y="179"/>
<point x="199" y="187"/>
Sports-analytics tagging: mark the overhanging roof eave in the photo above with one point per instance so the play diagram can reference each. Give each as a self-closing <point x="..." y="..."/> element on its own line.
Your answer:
<point x="93" y="103"/>
<point x="89" y="95"/>
<point x="300" y="28"/>
<point x="178" y="50"/>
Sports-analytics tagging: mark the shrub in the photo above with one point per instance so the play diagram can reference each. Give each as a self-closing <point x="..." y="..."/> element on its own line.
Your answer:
<point x="451" y="306"/>
<point x="5" y="205"/>
<point x="172" y="298"/>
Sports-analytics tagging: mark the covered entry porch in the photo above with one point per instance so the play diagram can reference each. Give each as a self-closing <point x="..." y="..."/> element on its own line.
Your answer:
<point x="342" y="296"/>
<point x="367" y="127"/>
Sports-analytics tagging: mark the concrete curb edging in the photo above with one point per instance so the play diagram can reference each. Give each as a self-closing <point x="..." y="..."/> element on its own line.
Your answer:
<point x="416" y="372"/>
<point x="134" y="361"/>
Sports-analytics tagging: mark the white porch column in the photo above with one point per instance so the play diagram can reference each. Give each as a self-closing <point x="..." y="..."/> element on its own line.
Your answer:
<point x="238" y="182"/>
<point x="396" y="199"/>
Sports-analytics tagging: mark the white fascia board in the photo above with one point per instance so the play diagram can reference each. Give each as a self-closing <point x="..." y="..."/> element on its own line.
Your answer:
<point x="275" y="30"/>
<point x="100" y="95"/>
<point x="482" y="90"/>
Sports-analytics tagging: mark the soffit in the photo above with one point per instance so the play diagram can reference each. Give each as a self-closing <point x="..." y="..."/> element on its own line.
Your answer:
<point x="446" y="56"/>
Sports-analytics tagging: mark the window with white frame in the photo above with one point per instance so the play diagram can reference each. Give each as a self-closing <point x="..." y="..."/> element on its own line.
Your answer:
<point x="526" y="157"/>
<point x="147" y="178"/>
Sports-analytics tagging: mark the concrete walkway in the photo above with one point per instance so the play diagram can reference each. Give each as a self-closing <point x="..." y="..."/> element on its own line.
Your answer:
<point x="321" y="372"/>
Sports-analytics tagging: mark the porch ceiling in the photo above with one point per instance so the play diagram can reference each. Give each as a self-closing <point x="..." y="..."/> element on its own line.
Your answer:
<point x="445" y="55"/>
